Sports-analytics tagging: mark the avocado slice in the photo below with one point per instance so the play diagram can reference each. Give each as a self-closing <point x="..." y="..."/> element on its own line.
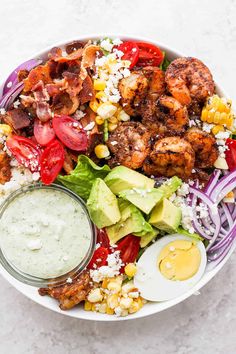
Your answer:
<point x="131" y="221"/>
<point x="122" y="178"/>
<point x="166" y="216"/>
<point x="102" y="205"/>
<point x="144" y="199"/>
<point x="146" y="239"/>
<point x="170" y="186"/>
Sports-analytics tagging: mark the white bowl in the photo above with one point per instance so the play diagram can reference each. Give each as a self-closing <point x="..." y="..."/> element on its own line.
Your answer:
<point x="149" y="308"/>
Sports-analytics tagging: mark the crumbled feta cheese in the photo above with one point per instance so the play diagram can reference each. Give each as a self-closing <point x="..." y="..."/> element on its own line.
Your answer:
<point x="34" y="245"/>
<point x="107" y="45"/>
<point x="90" y="126"/>
<point x="69" y="280"/>
<point x="117" y="41"/>
<point x="2" y="111"/>
<point x="79" y="114"/>
<point x="206" y="127"/>
<point x="114" y="264"/>
<point x="223" y="135"/>
<point x="16" y="103"/>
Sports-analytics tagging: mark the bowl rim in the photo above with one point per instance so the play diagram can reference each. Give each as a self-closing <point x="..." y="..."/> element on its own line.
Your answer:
<point x="150" y="308"/>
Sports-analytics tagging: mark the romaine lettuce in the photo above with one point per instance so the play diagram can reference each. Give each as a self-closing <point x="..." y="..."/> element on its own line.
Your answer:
<point x="81" y="179"/>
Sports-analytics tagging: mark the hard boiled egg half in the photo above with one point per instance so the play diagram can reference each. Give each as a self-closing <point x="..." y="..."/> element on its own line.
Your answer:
<point x="170" y="267"/>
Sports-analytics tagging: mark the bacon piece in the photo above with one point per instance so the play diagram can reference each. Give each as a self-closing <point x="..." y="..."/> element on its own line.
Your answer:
<point x="64" y="104"/>
<point x="40" y="73"/>
<point x="88" y="59"/>
<point x="56" y="55"/>
<point x="70" y="295"/>
<point x="5" y="168"/>
<point x="73" y="46"/>
<point x="94" y="135"/>
<point x="87" y="93"/>
<point x="16" y="118"/>
<point x="41" y="98"/>
<point x="74" y="83"/>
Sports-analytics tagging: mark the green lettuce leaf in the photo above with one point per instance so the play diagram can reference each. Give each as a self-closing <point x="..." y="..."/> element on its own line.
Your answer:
<point x="81" y="179"/>
<point x="164" y="65"/>
<point x="182" y="231"/>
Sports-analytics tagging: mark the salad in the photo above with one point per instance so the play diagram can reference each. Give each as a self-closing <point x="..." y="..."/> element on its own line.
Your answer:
<point x="149" y="146"/>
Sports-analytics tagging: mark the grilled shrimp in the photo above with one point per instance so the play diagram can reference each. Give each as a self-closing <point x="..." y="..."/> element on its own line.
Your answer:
<point x="189" y="78"/>
<point x="204" y="146"/>
<point x="130" y="144"/>
<point x="5" y="167"/>
<point x="140" y="87"/>
<point x="170" y="156"/>
<point x="169" y="117"/>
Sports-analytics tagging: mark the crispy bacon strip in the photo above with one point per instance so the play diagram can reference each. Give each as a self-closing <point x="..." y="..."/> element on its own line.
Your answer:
<point x="70" y="295"/>
<point x="56" y="55"/>
<point x="5" y="168"/>
<point x="16" y="118"/>
<point x="40" y="73"/>
<point x="88" y="59"/>
<point x="41" y="98"/>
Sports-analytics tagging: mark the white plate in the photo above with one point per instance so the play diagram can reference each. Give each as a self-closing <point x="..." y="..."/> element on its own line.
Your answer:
<point x="149" y="308"/>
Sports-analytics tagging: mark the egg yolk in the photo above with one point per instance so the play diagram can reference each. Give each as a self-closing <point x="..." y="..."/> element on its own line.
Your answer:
<point x="179" y="260"/>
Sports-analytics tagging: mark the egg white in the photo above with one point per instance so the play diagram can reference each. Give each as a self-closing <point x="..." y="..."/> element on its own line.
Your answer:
<point x="152" y="285"/>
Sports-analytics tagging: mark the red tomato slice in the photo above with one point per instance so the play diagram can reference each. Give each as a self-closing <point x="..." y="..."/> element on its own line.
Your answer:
<point x="43" y="132"/>
<point x="230" y="154"/>
<point x="51" y="162"/>
<point x="70" y="132"/>
<point x="99" y="258"/>
<point x="131" y="52"/>
<point x="149" y="54"/>
<point x="129" y="247"/>
<point x="102" y="238"/>
<point x="25" y="151"/>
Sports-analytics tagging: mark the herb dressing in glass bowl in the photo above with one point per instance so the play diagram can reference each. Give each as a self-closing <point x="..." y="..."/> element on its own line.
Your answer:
<point x="45" y="234"/>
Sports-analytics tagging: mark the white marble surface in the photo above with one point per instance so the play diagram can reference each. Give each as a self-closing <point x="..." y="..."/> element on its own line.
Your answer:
<point x="206" y="29"/>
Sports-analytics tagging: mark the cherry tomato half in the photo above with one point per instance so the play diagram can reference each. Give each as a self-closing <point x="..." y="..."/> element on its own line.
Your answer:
<point x="51" y="161"/>
<point x="70" y="132"/>
<point x="99" y="258"/>
<point x="149" y="54"/>
<point x="25" y="151"/>
<point x="102" y="238"/>
<point x="131" y="52"/>
<point x="43" y="132"/>
<point x="230" y="154"/>
<point x="129" y="247"/>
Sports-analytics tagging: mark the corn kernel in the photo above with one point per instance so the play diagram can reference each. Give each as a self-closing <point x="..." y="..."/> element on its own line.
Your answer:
<point x="5" y="129"/>
<point x="112" y="301"/>
<point x="112" y="127"/>
<point x="94" y="308"/>
<point x="99" y="120"/>
<point x="135" y="306"/>
<point x="110" y="311"/>
<point x="87" y="306"/>
<point x="102" y="308"/>
<point x="113" y="120"/>
<point x="126" y="288"/>
<point x="216" y="129"/>
<point x="221" y="107"/>
<point x="95" y="295"/>
<point x="94" y="105"/>
<point x="125" y="303"/>
<point x="210" y="117"/>
<point x="123" y="116"/>
<point x="140" y="302"/>
<point x="217" y="118"/>
<point x="106" y="110"/>
<point x="101" y="95"/>
<point x="114" y="287"/>
<point x="204" y="115"/>
<point x="99" y="85"/>
<point x="102" y="151"/>
<point x="130" y="269"/>
<point x="105" y="283"/>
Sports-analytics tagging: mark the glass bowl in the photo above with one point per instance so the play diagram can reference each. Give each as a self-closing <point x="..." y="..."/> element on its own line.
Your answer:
<point x="62" y="279"/>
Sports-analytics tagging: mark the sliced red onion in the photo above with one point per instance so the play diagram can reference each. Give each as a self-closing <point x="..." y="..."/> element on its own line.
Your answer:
<point x="12" y="79"/>
<point x="227" y="214"/>
<point x="212" y="181"/>
<point x="9" y="98"/>
<point x="223" y="187"/>
<point x="231" y="234"/>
